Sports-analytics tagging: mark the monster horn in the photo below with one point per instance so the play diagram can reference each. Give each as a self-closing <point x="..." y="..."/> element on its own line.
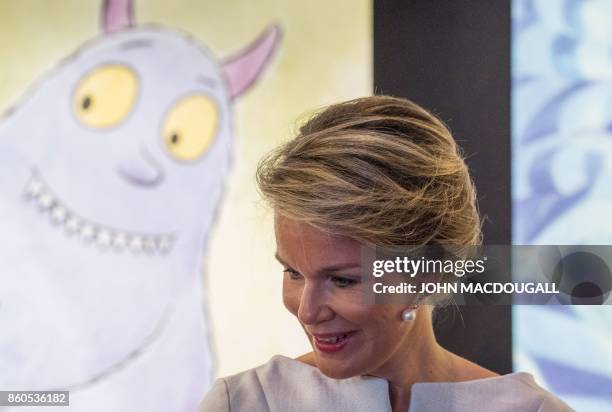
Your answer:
<point x="117" y="15"/>
<point x="243" y="69"/>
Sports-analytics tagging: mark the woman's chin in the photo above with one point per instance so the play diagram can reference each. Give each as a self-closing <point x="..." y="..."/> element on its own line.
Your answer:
<point x="336" y="370"/>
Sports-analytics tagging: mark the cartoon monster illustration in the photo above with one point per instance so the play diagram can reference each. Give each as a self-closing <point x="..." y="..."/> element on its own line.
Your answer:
<point x="111" y="169"/>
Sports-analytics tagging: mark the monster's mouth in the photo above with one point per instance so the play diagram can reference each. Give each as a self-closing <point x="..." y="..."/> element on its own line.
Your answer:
<point x="87" y="231"/>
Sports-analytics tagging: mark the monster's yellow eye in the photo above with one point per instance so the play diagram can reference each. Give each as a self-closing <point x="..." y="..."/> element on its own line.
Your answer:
<point x="190" y="127"/>
<point x="105" y="96"/>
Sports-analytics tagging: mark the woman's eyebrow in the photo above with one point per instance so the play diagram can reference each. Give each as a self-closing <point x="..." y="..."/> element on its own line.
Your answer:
<point x="281" y="261"/>
<point x="340" y="266"/>
<point x="326" y="269"/>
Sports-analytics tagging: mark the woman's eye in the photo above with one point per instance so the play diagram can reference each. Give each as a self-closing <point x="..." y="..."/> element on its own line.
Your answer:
<point x="292" y="274"/>
<point x="342" y="282"/>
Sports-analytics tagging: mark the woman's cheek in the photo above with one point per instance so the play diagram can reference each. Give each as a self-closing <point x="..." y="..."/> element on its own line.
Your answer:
<point x="291" y="296"/>
<point x="354" y="311"/>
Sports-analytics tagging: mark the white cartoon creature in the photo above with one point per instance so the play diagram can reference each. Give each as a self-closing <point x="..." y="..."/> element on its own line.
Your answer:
<point x="111" y="170"/>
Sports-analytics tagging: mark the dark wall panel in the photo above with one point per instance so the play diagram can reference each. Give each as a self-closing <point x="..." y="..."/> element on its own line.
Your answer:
<point x="453" y="57"/>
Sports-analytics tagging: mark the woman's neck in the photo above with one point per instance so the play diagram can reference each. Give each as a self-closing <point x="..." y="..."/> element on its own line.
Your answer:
<point x="435" y="366"/>
<point x="419" y="358"/>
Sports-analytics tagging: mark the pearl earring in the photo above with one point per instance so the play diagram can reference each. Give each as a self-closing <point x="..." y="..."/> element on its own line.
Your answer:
<point x="409" y="315"/>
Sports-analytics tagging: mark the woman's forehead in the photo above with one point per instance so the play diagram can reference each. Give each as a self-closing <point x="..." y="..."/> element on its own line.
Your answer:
<point x="301" y="244"/>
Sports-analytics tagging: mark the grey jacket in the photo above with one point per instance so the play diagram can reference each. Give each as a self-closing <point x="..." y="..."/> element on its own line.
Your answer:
<point x="288" y="385"/>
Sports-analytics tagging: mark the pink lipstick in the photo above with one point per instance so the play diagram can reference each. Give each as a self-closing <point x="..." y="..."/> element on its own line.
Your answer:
<point x="332" y="342"/>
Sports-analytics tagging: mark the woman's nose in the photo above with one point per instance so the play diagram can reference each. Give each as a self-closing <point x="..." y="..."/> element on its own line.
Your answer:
<point x="313" y="306"/>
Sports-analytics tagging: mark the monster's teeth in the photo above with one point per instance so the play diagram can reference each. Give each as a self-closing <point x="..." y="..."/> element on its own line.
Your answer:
<point x="58" y="214"/>
<point x="165" y="243"/>
<point x="103" y="238"/>
<point x="87" y="232"/>
<point x="34" y="188"/>
<point x="149" y="244"/>
<point x="119" y="241"/>
<point x="45" y="200"/>
<point x="136" y="244"/>
<point x="73" y="224"/>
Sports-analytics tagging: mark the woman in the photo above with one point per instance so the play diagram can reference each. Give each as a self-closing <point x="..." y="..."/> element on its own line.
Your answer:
<point x="383" y="171"/>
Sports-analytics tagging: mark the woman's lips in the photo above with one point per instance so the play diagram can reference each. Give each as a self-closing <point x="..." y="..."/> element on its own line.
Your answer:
<point x="332" y="342"/>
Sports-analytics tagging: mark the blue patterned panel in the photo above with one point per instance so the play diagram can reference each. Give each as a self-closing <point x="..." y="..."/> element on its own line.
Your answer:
<point x="562" y="182"/>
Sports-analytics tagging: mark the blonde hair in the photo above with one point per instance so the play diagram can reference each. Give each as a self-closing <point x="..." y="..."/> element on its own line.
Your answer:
<point x="378" y="169"/>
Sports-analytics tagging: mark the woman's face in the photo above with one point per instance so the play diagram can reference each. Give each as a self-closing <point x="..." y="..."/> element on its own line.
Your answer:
<point x="322" y="288"/>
